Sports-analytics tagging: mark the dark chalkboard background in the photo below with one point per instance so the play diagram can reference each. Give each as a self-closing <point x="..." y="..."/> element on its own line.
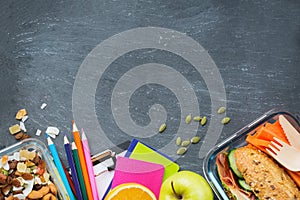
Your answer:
<point x="255" y="46"/>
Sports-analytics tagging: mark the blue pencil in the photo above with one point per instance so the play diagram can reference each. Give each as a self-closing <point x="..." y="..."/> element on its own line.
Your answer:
<point x="73" y="169"/>
<point x="60" y="168"/>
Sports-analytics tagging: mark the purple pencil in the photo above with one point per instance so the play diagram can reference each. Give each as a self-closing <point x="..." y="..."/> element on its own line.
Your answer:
<point x="73" y="169"/>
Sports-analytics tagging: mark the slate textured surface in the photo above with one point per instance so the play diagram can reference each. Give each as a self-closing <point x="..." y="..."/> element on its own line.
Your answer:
<point x="254" y="44"/>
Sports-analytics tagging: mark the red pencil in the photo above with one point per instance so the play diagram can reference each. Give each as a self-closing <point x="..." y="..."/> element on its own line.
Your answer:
<point x="69" y="178"/>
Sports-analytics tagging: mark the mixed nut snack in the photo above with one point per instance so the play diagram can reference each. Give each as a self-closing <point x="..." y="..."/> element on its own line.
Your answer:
<point x="23" y="175"/>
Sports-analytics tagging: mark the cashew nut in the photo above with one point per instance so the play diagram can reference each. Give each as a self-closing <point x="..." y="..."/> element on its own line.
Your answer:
<point x="35" y="195"/>
<point x="49" y="197"/>
<point x="44" y="190"/>
<point x="53" y="189"/>
<point x="40" y="193"/>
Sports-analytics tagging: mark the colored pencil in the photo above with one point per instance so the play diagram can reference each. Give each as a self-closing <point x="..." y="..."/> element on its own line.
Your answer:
<point x="59" y="179"/>
<point x="59" y="167"/>
<point x="69" y="178"/>
<point x="72" y="167"/>
<point x="89" y="165"/>
<point x="77" y="141"/>
<point x="67" y="174"/>
<point x="79" y="171"/>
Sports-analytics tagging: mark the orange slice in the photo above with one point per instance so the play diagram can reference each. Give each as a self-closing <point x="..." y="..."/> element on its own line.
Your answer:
<point x="129" y="191"/>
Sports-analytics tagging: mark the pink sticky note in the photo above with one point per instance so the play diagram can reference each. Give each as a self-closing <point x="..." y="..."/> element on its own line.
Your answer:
<point x="136" y="171"/>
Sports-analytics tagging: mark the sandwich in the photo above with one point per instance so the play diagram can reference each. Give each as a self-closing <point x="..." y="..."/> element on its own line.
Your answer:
<point x="247" y="173"/>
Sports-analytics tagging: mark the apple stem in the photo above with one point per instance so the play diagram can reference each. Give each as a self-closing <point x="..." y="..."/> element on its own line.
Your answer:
<point x="177" y="195"/>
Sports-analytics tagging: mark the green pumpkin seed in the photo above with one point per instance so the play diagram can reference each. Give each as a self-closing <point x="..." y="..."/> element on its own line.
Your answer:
<point x="221" y="110"/>
<point x="181" y="150"/>
<point x="203" y="121"/>
<point x="195" y="139"/>
<point x="178" y="141"/>
<point x="197" y="118"/>
<point x="162" y="127"/>
<point x="188" y="119"/>
<point x="185" y="143"/>
<point x="225" y="120"/>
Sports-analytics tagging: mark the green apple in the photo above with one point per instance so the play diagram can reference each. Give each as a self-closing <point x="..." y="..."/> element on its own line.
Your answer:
<point x="185" y="185"/>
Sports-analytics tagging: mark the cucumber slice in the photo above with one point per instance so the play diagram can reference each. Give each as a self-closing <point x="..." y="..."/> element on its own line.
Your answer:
<point x="244" y="185"/>
<point x="232" y="164"/>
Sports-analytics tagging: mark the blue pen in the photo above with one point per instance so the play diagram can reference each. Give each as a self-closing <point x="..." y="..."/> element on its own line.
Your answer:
<point x="60" y="167"/>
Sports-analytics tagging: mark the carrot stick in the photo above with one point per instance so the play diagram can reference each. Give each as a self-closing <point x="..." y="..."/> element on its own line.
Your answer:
<point x="277" y="129"/>
<point x="274" y="126"/>
<point x="257" y="141"/>
<point x="267" y="134"/>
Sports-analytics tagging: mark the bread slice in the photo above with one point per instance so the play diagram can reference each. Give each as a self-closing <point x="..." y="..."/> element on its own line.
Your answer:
<point x="265" y="177"/>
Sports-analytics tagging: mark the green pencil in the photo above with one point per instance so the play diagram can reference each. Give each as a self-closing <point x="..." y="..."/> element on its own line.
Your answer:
<point x="79" y="171"/>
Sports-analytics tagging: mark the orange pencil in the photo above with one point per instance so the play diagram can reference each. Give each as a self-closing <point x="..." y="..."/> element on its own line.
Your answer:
<point x="85" y="174"/>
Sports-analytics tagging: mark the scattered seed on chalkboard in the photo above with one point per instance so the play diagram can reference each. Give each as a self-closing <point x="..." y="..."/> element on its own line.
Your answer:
<point x="225" y="120"/>
<point x="162" y="127"/>
<point x="221" y="110"/>
<point x="181" y="150"/>
<point x="185" y="143"/>
<point x="178" y="141"/>
<point x="197" y="118"/>
<point x="203" y="121"/>
<point x="188" y="119"/>
<point x="195" y="139"/>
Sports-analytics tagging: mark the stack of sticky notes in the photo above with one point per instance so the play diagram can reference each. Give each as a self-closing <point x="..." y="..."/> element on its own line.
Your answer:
<point x="141" y="151"/>
<point x="136" y="171"/>
<point x="144" y="165"/>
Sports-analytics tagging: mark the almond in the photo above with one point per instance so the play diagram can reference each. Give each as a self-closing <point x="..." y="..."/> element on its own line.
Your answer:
<point x="15" y="182"/>
<point x="27" y="176"/>
<point x="5" y="190"/>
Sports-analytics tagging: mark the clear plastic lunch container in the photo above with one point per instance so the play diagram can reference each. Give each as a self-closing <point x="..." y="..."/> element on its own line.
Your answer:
<point x="235" y="141"/>
<point x="38" y="146"/>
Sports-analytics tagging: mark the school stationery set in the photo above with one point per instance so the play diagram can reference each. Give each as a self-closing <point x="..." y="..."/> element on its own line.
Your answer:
<point x="92" y="177"/>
